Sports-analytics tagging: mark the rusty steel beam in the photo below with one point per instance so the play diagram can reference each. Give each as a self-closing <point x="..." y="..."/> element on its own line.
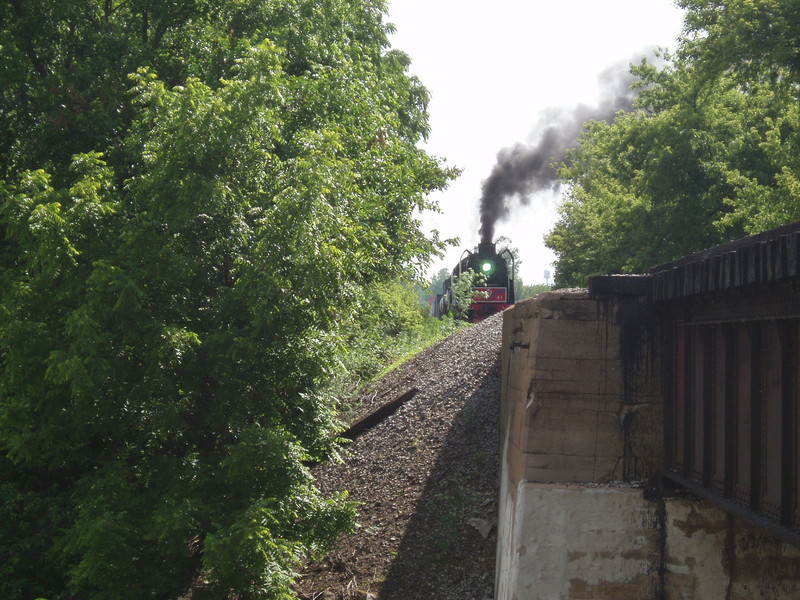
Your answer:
<point x="731" y="335"/>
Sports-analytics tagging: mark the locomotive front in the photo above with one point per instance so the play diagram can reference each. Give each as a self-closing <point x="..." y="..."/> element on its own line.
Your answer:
<point x="496" y="292"/>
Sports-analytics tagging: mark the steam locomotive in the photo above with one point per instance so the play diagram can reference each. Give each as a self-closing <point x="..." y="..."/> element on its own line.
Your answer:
<point x="496" y="275"/>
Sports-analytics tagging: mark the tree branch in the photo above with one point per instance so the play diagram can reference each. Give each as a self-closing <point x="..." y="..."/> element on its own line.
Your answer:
<point x="145" y="25"/>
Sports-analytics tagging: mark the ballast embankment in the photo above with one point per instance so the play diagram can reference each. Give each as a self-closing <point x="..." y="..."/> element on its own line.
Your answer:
<point x="427" y="477"/>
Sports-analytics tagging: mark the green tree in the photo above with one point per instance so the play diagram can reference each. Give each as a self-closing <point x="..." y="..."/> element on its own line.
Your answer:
<point x="389" y="315"/>
<point x="755" y="44"/>
<point x="195" y="193"/>
<point x="462" y="293"/>
<point x="524" y="291"/>
<point x="709" y="153"/>
<point x="754" y="39"/>
<point x="643" y="191"/>
<point x="437" y="281"/>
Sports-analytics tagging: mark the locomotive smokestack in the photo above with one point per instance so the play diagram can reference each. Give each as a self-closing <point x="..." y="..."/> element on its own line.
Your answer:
<point x="522" y="170"/>
<point x="487" y="247"/>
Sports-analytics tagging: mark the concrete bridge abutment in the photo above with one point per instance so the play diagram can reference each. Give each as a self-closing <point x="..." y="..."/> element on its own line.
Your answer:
<point x="583" y="513"/>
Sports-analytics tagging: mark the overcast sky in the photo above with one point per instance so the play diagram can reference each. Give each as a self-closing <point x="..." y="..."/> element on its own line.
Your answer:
<point x="499" y="72"/>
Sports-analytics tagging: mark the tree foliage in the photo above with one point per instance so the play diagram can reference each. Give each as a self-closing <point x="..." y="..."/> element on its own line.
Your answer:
<point x="389" y="319"/>
<point x="462" y="293"/>
<point x="195" y="194"/>
<point x="711" y="152"/>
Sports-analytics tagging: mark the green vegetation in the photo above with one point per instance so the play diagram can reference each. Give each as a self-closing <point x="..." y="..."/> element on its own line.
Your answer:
<point x="391" y="325"/>
<point x="194" y="197"/>
<point x="524" y="291"/>
<point x="711" y="153"/>
<point x="462" y="293"/>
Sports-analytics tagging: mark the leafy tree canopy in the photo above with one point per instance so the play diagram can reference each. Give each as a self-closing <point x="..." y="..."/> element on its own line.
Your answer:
<point x="711" y="152"/>
<point x="194" y="195"/>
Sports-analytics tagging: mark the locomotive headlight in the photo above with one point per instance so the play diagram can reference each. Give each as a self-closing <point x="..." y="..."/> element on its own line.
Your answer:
<point x="487" y="267"/>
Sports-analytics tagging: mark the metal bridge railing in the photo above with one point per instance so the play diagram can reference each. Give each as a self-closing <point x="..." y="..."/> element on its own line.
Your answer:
<point x="731" y="340"/>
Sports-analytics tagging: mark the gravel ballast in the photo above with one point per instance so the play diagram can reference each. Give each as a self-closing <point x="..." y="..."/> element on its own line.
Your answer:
<point x="427" y="477"/>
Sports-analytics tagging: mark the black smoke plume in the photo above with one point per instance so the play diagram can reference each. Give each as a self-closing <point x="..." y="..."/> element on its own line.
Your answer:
<point x="522" y="170"/>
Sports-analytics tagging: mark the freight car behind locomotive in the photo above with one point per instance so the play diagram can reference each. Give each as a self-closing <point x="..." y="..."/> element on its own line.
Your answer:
<point x="497" y="290"/>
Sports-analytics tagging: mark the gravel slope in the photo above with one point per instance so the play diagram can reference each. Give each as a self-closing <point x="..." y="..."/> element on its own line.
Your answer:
<point x="427" y="477"/>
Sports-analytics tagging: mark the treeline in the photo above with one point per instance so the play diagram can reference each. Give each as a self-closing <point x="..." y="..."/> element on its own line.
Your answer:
<point x="711" y="152"/>
<point x="195" y="198"/>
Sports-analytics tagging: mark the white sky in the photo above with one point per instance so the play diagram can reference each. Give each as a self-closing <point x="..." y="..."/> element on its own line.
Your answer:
<point x="492" y="67"/>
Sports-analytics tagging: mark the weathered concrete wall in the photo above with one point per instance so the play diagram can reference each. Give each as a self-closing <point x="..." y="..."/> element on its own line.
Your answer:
<point x="575" y="408"/>
<point x="576" y="542"/>
<point x="579" y="542"/>
<point x="579" y="418"/>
